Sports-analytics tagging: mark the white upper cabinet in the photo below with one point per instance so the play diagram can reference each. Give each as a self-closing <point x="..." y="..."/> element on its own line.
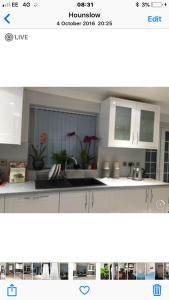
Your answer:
<point x="11" y="103"/>
<point x="129" y="124"/>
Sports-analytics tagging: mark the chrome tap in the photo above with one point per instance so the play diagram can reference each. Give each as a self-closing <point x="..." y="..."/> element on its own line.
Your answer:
<point x="74" y="160"/>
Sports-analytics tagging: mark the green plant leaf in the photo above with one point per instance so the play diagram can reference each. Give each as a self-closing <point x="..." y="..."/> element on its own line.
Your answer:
<point x="62" y="158"/>
<point x="92" y="157"/>
<point x="31" y="155"/>
<point x="35" y="151"/>
<point x="42" y="150"/>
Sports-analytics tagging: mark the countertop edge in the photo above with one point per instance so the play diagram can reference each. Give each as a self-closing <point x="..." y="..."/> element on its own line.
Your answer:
<point x="32" y="190"/>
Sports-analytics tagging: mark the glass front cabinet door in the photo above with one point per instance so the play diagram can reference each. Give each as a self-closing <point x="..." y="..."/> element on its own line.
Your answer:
<point x="148" y="119"/>
<point x="122" y="128"/>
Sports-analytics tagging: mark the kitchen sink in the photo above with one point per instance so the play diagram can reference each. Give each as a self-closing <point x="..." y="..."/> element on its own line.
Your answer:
<point x="75" y="182"/>
<point x="52" y="184"/>
<point x="67" y="183"/>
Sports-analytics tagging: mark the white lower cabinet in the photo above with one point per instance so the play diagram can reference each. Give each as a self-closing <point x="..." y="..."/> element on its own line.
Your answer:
<point x="132" y="200"/>
<point x="118" y="201"/>
<point x="158" y="199"/>
<point x="122" y="200"/>
<point x="141" y="200"/>
<point x="2" y="205"/>
<point x="97" y="201"/>
<point x="100" y="201"/>
<point x="32" y="203"/>
<point x="74" y="202"/>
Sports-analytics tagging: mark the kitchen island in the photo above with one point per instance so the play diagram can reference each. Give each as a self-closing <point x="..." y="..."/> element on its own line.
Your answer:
<point x="121" y="195"/>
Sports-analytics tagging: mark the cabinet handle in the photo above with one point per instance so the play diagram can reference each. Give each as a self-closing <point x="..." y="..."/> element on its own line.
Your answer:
<point x="36" y="197"/>
<point x="146" y="197"/>
<point x="92" y="199"/>
<point x="86" y="201"/>
<point x="137" y="137"/>
<point x="151" y="196"/>
<point x="39" y="197"/>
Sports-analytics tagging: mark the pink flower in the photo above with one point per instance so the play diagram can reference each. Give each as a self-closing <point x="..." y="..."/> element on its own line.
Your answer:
<point x="87" y="139"/>
<point x="43" y="137"/>
<point x="94" y="138"/>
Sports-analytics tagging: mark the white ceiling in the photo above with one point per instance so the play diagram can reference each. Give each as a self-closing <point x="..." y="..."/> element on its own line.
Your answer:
<point x="158" y="95"/>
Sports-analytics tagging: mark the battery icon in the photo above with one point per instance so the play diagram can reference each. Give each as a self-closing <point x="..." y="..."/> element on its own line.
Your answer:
<point x="156" y="4"/>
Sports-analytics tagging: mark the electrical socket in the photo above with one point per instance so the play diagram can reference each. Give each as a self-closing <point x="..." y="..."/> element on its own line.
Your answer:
<point x="3" y="162"/>
<point x="130" y="164"/>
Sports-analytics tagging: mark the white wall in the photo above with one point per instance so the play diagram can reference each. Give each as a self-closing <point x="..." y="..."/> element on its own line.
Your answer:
<point x="42" y="99"/>
<point x="14" y="152"/>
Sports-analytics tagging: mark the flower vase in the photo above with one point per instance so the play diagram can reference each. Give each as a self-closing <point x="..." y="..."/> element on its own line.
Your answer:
<point x="38" y="164"/>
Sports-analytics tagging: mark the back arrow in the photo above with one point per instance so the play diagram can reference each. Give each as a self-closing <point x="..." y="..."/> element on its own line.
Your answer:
<point x="6" y="18"/>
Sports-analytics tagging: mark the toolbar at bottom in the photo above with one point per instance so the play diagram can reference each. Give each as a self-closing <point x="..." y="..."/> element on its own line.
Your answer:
<point x="84" y="289"/>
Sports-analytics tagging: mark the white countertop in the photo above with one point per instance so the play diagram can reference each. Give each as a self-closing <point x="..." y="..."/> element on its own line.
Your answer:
<point x="29" y="187"/>
<point x="17" y="188"/>
<point x="126" y="182"/>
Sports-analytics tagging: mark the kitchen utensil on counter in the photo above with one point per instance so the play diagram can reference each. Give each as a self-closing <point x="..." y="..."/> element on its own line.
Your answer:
<point x="131" y="166"/>
<point x="58" y="170"/>
<point x="138" y="173"/>
<point x="116" y="169"/>
<point x="106" y="169"/>
<point x="52" y="172"/>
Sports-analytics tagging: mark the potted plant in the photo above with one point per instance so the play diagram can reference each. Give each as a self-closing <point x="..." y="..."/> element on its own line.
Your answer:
<point x="85" y="145"/>
<point x="62" y="158"/>
<point x="38" y="152"/>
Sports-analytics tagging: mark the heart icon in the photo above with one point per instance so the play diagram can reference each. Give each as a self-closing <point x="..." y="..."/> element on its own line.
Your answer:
<point x="84" y="289"/>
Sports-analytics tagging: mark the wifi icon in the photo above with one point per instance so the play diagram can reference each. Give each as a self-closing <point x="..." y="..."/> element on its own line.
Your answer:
<point x="6" y="4"/>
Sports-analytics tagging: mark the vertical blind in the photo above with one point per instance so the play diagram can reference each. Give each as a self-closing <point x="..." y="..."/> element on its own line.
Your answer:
<point x="57" y="124"/>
